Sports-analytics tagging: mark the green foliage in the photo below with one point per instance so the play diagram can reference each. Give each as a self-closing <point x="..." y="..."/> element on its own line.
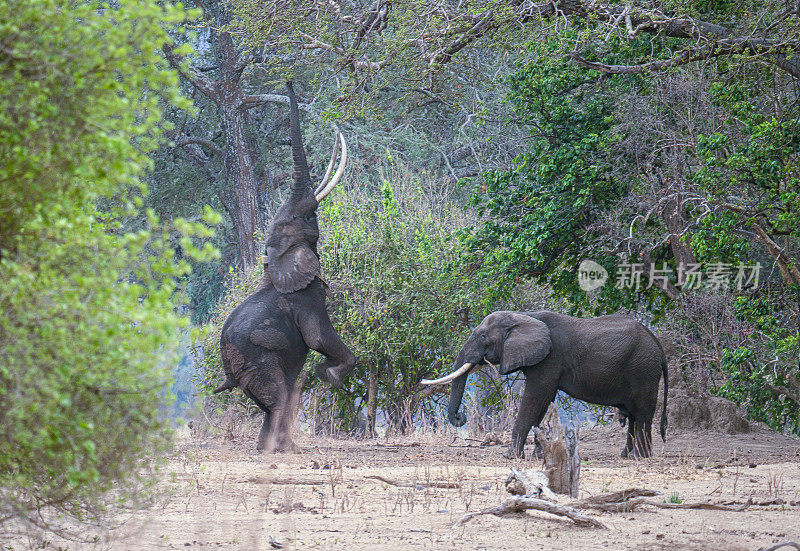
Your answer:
<point x="539" y="211"/>
<point x="750" y="175"/>
<point x="763" y="373"/>
<point x="674" y="497"/>
<point x="401" y="299"/>
<point x="88" y="326"/>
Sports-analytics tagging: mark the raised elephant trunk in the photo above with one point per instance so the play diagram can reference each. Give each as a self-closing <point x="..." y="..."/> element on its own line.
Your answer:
<point x="301" y="181"/>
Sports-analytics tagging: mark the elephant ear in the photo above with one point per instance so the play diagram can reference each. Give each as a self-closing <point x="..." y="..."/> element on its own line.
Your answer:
<point x="292" y="269"/>
<point x="527" y="343"/>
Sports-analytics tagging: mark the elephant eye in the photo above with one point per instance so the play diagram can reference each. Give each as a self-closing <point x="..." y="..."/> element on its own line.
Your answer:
<point x="294" y="217"/>
<point x="483" y="337"/>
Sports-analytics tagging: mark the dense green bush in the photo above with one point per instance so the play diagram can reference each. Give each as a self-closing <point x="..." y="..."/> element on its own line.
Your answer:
<point x="402" y="298"/>
<point x="88" y="326"/>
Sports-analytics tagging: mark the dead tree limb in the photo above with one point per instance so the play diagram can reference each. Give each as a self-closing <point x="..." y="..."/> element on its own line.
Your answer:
<point x="561" y="457"/>
<point x="791" y="544"/>
<point x="618" y="497"/>
<point x="701" y="505"/>
<point x="529" y="484"/>
<point x="432" y="484"/>
<point x="520" y="504"/>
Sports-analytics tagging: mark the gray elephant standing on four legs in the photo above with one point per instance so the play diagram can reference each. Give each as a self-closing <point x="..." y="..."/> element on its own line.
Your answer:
<point x="609" y="360"/>
<point x="266" y="339"/>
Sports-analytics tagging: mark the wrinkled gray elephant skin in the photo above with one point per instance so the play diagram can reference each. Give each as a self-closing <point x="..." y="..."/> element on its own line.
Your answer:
<point x="609" y="360"/>
<point x="266" y="339"/>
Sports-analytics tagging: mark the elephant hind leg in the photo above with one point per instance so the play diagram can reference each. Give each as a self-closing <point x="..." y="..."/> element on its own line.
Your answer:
<point x="263" y="434"/>
<point x="643" y="445"/>
<point x="267" y="388"/>
<point x="628" y="449"/>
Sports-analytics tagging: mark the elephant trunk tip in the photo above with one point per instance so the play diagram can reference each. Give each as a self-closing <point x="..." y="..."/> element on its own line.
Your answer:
<point x="458" y="419"/>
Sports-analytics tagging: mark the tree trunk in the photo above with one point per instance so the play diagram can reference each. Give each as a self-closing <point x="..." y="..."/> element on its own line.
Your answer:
<point x="372" y="402"/>
<point x="239" y="167"/>
<point x="560" y="454"/>
<point x="673" y="218"/>
<point x="240" y="183"/>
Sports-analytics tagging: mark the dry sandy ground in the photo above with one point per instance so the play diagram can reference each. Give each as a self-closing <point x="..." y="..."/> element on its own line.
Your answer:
<point x="224" y="496"/>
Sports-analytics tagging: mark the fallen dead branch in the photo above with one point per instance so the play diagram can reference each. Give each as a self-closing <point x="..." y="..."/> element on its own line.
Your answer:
<point x="285" y="481"/>
<point x="618" y="507"/>
<point x="623" y="501"/>
<point x="791" y="544"/>
<point x="520" y="504"/>
<point x="702" y="505"/>
<point x="432" y="484"/>
<point x="618" y="497"/>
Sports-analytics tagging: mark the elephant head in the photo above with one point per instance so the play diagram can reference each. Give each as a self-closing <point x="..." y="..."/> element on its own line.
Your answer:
<point x="508" y="340"/>
<point x="291" y="249"/>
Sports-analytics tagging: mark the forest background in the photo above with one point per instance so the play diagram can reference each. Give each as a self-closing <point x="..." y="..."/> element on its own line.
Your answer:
<point x="494" y="147"/>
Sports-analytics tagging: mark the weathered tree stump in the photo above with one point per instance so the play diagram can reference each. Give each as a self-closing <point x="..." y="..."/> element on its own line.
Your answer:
<point x="560" y="452"/>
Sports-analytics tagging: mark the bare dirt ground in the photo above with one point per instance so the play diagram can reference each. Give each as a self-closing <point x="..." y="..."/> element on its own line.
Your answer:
<point x="225" y="496"/>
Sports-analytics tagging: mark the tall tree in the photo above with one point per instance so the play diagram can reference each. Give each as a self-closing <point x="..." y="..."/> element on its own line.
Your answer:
<point x="222" y="78"/>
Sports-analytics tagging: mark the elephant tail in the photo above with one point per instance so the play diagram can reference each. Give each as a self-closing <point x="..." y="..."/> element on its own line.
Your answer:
<point x="666" y="391"/>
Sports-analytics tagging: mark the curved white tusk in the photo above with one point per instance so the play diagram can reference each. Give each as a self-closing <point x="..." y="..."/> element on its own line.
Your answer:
<point x="447" y="378"/>
<point x="329" y="170"/>
<point x="336" y="177"/>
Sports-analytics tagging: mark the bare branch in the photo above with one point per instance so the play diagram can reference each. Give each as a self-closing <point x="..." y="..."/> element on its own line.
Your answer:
<point x="197" y="78"/>
<point x="187" y="140"/>
<point x="259" y="99"/>
<point x="689" y="55"/>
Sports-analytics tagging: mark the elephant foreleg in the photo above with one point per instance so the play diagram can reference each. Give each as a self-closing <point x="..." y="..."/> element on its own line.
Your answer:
<point x="319" y="334"/>
<point x="533" y="406"/>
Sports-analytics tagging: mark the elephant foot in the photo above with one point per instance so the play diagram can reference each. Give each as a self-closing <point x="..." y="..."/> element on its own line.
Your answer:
<point x="322" y="372"/>
<point x="333" y="378"/>
<point x="634" y="453"/>
<point x="512" y="453"/>
<point x="288" y="447"/>
<point x="329" y="376"/>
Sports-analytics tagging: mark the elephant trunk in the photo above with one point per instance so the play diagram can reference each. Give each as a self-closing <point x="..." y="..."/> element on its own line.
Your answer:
<point x="455" y="417"/>
<point x="301" y="178"/>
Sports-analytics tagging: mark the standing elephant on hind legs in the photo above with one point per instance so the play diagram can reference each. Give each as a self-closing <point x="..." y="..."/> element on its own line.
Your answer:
<point x="266" y="339"/>
<point x="610" y="360"/>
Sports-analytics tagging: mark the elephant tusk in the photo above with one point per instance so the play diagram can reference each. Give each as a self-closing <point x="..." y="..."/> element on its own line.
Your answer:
<point x="447" y="378"/>
<point x="329" y="170"/>
<point x="339" y="171"/>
